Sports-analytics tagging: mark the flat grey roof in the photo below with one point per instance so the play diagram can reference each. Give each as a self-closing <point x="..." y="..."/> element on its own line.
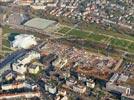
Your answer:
<point x="39" y="23"/>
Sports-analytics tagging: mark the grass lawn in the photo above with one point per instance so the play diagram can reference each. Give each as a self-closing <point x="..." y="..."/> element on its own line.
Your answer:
<point x="98" y="38"/>
<point x="7" y="29"/>
<point x="131" y="47"/>
<point x="6" y="43"/>
<point x="88" y="36"/>
<point x="96" y="29"/>
<point x="120" y="43"/>
<point x="64" y="30"/>
<point x="6" y="49"/>
<point x="78" y="33"/>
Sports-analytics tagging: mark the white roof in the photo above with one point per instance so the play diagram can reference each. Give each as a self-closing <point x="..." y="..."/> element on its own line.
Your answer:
<point x="24" y="41"/>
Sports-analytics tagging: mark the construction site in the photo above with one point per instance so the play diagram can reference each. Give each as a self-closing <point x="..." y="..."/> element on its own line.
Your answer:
<point x="117" y="74"/>
<point x="87" y="63"/>
<point x="77" y="62"/>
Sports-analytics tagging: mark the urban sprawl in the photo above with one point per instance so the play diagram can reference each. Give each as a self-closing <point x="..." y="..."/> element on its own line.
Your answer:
<point x="66" y="50"/>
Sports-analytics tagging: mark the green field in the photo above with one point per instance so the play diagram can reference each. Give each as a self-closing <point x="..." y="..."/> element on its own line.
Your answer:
<point x="87" y="36"/>
<point x="6" y="49"/>
<point x="101" y="38"/>
<point x="131" y="47"/>
<point x="64" y="30"/>
<point x="120" y="43"/>
<point x="96" y="37"/>
<point x="7" y="29"/>
<point x="109" y="31"/>
<point x="6" y="43"/>
<point x="78" y="33"/>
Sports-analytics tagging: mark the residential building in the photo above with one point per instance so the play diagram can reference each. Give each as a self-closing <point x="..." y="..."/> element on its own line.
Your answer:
<point x="70" y="82"/>
<point x="117" y="88"/>
<point x="16" y="85"/>
<point x="61" y="97"/>
<point x="6" y="0"/>
<point x="90" y="83"/>
<point x="62" y="92"/>
<point x="20" y="77"/>
<point x="82" y="77"/>
<point x="66" y="74"/>
<point x="32" y="55"/>
<point x="20" y="95"/>
<point x="25" y="2"/>
<point x="8" y="75"/>
<point x="38" y="7"/>
<point x="33" y="69"/>
<point x="16" y="19"/>
<point x="62" y="63"/>
<point x="48" y="59"/>
<point x="79" y="88"/>
<point x="57" y="61"/>
<point x="19" y="68"/>
<point x="51" y="88"/>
